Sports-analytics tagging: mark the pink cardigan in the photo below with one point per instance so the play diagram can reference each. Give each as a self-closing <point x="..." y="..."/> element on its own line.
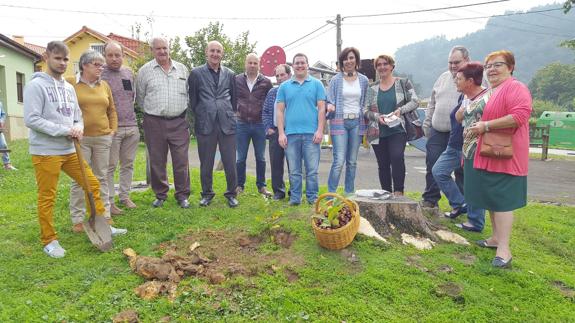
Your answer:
<point x="510" y="98"/>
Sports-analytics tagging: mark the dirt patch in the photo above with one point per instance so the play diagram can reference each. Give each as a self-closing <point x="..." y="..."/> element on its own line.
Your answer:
<point x="466" y="258"/>
<point x="291" y="275"/>
<point x="415" y="261"/>
<point x="350" y="256"/>
<point x="452" y="290"/>
<point x="564" y="289"/>
<point x="127" y="316"/>
<point x="445" y="269"/>
<point x="215" y="256"/>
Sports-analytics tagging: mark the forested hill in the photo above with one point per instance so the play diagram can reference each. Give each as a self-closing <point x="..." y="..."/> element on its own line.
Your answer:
<point x="533" y="38"/>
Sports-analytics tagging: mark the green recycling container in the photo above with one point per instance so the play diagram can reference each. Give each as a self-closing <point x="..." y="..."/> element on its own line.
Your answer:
<point x="561" y="128"/>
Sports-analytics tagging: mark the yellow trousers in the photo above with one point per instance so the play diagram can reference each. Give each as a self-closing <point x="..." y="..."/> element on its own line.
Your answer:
<point x="47" y="170"/>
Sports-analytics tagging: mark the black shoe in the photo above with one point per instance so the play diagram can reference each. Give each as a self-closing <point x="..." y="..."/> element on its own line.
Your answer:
<point x="232" y="201"/>
<point x="184" y="204"/>
<point x="456" y="212"/>
<point x="467" y="227"/>
<point x="279" y="196"/>
<point x="158" y="203"/>
<point x="205" y="201"/>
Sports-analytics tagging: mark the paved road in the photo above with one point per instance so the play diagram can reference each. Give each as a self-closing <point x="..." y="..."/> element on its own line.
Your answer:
<point x="548" y="181"/>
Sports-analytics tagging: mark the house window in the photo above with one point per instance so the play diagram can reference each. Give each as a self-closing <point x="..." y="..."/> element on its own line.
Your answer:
<point x="20" y="86"/>
<point x="98" y="47"/>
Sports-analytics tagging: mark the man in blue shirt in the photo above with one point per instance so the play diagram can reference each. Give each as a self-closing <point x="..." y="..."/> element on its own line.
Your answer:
<point x="269" y="118"/>
<point x="301" y="119"/>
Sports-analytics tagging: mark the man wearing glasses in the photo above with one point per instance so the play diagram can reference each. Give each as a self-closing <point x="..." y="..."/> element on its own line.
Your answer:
<point x="437" y="124"/>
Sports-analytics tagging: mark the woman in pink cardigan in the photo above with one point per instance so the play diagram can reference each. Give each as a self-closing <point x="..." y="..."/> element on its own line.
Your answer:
<point x="500" y="185"/>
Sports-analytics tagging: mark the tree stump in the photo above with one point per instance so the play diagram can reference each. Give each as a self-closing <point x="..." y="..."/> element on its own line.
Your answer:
<point x="395" y="216"/>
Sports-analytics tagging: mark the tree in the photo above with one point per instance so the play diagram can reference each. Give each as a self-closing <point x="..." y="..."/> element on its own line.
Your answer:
<point x="554" y="83"/>
<point x="539" y="106"/>
<point x="235" y="51"/>
<point x="566" y="7"/>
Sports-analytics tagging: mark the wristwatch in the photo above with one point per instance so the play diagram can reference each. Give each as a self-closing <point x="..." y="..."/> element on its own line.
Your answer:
<point x="486" y="126"/>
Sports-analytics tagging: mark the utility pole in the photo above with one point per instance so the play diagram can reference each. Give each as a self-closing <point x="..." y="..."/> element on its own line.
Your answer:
<point x="338" y="41"/>
<point x="338" y="35"/>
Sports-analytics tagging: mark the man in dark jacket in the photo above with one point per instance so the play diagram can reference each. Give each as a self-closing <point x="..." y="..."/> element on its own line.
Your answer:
<point x="212" y="100"/>
<point x="251" y="88"/>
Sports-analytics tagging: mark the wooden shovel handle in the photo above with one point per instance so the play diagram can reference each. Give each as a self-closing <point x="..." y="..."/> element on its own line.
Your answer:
<point x="85" y="178"/>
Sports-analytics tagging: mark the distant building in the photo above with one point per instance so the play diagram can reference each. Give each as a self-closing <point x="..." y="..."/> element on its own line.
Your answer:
<point x="322" y="71"/>
<point x="87" y="38"/>
<point x="17" y="63"/>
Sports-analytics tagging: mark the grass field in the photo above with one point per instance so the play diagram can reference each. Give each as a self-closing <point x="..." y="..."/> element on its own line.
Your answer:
<point x="369" y="281"/>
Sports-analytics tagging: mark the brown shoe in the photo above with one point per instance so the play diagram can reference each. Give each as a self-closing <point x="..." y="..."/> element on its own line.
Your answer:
<point x="129" y="204"/>
<point x="265" y="192"/>
<point x="114" y="210"/>
<point x="78" y="228"/>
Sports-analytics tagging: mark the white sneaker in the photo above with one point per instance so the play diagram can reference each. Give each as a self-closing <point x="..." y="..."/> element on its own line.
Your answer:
<point x="54" y="250"/>
<point x="118" y="231"/>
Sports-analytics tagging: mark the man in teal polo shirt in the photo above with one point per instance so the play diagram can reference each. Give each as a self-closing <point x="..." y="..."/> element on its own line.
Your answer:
<point x="301" y="118"/>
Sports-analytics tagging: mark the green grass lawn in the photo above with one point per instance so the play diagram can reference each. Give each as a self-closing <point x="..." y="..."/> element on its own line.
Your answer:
<point x="384" y="283"/>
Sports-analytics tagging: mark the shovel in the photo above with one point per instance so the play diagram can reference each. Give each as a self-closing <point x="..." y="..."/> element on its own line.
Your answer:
<point x="96" y="227"/>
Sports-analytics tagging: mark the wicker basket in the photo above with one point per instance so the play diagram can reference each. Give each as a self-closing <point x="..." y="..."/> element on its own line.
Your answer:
<point x="340" y="237"/>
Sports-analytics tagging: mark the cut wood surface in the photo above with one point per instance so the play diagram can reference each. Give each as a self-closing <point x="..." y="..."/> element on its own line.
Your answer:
<point x="395" y="216"/>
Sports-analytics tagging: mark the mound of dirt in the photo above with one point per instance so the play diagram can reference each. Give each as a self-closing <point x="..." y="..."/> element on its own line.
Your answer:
<point x="214" y="256"/>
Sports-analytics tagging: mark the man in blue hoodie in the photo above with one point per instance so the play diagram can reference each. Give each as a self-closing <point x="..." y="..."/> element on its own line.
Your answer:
<point x="52" y="114"/>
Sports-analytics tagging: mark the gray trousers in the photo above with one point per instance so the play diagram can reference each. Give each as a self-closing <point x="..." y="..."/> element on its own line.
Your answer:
<point x="161" y="135"/>
<point x="123" y="150"/>
<point x="207" y="151"/>
<point x="96" y="152"/>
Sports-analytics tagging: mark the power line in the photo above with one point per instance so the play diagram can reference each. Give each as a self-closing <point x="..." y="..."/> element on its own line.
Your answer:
<point x="424" y="10"/>
<point x="306" y="35"/>
<point x="158" y="16"/>
<point x="308" y="40"/>
<point x="453" y="19"/>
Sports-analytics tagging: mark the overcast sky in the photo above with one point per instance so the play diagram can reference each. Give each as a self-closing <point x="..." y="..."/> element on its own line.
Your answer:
<point x="268" y="22"/>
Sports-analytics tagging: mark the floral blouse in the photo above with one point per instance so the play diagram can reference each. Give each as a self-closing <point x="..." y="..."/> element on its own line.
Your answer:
<point x="473" y="110"/>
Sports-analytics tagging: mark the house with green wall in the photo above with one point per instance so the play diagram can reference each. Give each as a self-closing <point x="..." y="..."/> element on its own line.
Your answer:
<point x="16" y="68"/>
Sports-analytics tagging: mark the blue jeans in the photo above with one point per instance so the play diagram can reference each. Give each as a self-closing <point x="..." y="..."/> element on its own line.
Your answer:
<point x="5" y="156"/>
<point x="256" y="132"/>
<point x="446" y="164"/>
<point x="435" y="146"/>
<point x="345" y="148"/>
<point x="301" y="146"/>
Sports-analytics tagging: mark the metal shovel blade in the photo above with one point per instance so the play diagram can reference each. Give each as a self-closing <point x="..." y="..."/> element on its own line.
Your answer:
<point x="99" y="232"/>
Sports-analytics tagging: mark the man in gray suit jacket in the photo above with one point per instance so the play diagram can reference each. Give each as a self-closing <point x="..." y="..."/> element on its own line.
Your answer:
<point x="213" y="102"/>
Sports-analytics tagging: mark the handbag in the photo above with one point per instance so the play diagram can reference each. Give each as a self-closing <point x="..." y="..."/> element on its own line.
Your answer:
<point x="413" y="125"/>
<point x="496" y="145"/>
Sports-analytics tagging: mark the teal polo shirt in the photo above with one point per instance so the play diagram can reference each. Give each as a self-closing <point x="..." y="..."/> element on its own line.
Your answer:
<point x="301" y="104"/>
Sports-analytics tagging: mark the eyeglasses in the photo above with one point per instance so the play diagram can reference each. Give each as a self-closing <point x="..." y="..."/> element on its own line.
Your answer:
<point x="97" y="65"/>
<point x="496" y="65"/>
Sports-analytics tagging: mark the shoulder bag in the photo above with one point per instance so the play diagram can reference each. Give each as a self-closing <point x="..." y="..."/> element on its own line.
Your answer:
<point x="413" y="126"/>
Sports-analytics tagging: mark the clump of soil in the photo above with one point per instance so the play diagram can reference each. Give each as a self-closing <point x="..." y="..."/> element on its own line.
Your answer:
<point x="452" y="290"/>
<point x="127" y="316"/>
<point x="466" y="258"/>
<point x="214" y="256"/>
<point x="565" y="290"/>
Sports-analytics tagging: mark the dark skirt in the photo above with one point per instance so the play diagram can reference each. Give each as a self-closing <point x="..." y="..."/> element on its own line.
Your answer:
<point x="497" y="192"/>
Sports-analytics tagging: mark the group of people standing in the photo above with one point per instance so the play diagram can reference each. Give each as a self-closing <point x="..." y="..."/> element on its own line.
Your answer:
<point x="462" y="109"/>
<point x="230" y="111"/>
